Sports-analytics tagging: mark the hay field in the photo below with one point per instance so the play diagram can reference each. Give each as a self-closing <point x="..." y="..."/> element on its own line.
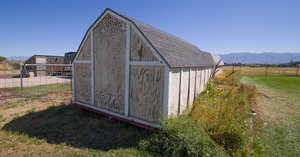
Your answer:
<point x="247" y="70"/>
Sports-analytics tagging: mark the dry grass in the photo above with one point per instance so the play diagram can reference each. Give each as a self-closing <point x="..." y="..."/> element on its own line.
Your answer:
<point x="224" y="111"/>
<point x="46" y="125"/>
<point x="246" y="70"/>
<point x="5" y="67"/>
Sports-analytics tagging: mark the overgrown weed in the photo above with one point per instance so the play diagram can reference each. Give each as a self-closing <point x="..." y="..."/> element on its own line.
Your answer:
<point x="220" y="121"/>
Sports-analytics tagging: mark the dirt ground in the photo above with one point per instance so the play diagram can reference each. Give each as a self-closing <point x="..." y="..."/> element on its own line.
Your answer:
<point x="32" y="81"/>
<point x="9" y="74"/>
<point x="35" y="124"/>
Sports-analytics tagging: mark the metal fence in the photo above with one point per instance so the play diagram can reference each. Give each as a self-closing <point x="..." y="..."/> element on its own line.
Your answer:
<point x="36" y="80"/>
<point x="263" y="70"/>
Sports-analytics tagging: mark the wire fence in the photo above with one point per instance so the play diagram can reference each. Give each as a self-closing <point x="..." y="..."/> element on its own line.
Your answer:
<point x="36" y="80"/>
<point x="263" y="70"/>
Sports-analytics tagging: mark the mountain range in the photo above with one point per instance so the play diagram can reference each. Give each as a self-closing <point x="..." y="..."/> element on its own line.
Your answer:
<point x="260" y="58"/>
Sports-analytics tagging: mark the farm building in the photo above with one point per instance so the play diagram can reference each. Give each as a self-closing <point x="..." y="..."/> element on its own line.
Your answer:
<point x="133" y="72"/>
<point x="69" y="56"/>
<point x="44" y="59"/>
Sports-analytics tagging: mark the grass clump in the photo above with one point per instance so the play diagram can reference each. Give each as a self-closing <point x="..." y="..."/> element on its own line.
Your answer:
<point x="14" y="105"/>
<point x="224" y="111"/>
<point x="181" y="136"/>
<point x="220" y="123"/>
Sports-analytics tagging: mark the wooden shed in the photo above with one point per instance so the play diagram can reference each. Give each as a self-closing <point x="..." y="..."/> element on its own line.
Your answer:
<point x="134" y="72"/>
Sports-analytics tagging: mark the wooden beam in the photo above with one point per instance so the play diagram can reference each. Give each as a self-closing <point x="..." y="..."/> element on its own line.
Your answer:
<point x="127" y="71"/>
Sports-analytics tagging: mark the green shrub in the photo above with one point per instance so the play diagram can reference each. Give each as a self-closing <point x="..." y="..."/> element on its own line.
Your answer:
<point x="181" y="136"/>
<point x="2" y="59"/>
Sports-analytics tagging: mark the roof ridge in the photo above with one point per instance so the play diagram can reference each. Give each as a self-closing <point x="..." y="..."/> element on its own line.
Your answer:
<point x="162" y="31"/>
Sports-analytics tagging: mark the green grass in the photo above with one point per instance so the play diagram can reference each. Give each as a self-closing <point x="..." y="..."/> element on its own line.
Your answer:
<point x="68" y="127"/>
<point x="281" y="105"/>
<point x="2" y="118"/>
<point x="36" y="92"/>
<point x="287" y="84"/>
<point x="42" y="88"/>
<point x="15" y="104"/>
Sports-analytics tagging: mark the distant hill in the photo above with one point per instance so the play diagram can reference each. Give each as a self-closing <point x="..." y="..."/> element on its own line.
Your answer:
<point x="260" y="58"/>
<point x="18" y="58"/>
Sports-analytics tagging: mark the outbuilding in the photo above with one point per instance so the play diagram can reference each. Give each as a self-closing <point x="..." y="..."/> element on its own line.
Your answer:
<point x="41" y="70"/>
<point x="133" y="72"/>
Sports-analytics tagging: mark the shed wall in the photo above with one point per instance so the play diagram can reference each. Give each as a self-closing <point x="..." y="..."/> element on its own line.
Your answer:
<point x="186" y="85"/>
<point x="83" y="83"/>
<point x="84" y="53"/>
<point x="139" y="50"/>
<point x="184" y="90"/>
<point x="174" y="92"/>
<point x="146" y="92"/>
<point x="109" y="49"/>
<point x="192" y="86"/>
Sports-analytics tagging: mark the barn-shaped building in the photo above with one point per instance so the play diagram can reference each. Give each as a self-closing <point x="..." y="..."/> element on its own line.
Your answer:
<point x="134" y="72"/>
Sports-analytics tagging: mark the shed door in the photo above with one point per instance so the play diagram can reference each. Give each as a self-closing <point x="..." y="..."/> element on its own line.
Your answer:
<point x="109" y="46"/>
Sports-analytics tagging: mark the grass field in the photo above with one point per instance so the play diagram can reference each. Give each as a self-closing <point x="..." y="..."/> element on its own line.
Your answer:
<point x="279" y="108"/>
<point x="42" y="123"/>
<point x="246" y="70"/>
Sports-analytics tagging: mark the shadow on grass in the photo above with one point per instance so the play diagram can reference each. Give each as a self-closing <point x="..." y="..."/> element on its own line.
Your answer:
<point x="78" y="128"/>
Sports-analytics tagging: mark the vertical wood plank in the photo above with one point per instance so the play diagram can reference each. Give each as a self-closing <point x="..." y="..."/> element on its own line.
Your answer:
<point x="192" y="86"/>
<point x="184" y="88"/>
<point x="174" y="92"/>
<point x="127" y="72"/>
<point x="166" y="90"/>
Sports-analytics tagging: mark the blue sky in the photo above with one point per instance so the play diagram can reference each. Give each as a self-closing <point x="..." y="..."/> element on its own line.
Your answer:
<point x="53" y="27"/>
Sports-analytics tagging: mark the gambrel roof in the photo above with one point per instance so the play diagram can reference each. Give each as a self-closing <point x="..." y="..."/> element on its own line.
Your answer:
<point x="173" y="50"/>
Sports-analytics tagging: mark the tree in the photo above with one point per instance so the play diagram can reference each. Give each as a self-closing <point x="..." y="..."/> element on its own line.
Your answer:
<point x="2" y="59"/>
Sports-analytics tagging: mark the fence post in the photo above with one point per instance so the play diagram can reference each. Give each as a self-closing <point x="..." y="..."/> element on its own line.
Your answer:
<point x="297" y="72"/>
<point x="240" y="68"/>
<point x="21" y="75"/>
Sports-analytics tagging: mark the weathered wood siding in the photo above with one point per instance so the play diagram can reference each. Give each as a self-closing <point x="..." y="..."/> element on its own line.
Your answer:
<point x="109" y="46"/>
<point x="186" y="85"/>
<point x="140" y="51"/>
<point x="199" y="81"/>
<point x="192" y="86"/>
<point x="184" y="89"/>
<point x="85" y="52"/>
<point x="146" y="92"/>
<point x="82" y="76"/>
<point x="202" y="79"/>
<point x="174" y="92"/>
